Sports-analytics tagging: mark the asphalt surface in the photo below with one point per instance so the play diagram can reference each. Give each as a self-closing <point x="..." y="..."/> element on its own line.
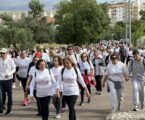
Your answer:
<point x="98" y="109"/>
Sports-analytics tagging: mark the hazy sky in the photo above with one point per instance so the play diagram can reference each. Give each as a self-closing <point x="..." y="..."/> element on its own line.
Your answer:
<point x="23" y="4"/>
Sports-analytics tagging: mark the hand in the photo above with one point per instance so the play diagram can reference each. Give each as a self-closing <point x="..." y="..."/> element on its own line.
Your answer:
<point x="88" y="94"/>
<point x="58" y="94"/>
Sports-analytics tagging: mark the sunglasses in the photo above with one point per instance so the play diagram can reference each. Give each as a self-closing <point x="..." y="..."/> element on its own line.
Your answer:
<point x="69" y="49"/>
<point x="3" y="53"/>
<point x="113" y="58"/>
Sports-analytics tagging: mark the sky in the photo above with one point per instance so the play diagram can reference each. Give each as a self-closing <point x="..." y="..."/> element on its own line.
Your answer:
<point x="23" y="4"/>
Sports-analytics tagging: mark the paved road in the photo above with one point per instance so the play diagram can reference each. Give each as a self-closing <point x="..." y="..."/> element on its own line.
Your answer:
<point x="98" y="109"/>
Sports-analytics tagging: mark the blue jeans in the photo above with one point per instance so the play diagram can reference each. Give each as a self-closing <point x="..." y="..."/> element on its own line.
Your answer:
<point x="6" y="87"/>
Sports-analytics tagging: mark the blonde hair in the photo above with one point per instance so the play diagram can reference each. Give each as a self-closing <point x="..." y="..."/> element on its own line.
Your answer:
<point x="70" y="60"/>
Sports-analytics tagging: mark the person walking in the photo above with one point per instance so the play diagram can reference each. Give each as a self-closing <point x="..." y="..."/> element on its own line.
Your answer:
<point x="7" y="69"/>
<point x="70" y="75"/>
<point x="43" y="81"/>
<point x="136" y="71"/>
<point x="87" y="71"/>
<point x="56" y="70"/>
<point x="99" y="68"/>
<point x="23" y="65"/>
<point x="116" y="73"/>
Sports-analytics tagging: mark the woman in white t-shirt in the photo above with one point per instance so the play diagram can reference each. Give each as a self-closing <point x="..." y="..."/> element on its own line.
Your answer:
<point x="116" y="73"/>
<point x="56" y="70"/>
<point x="23" y="65"/>
<point x="32" y="69"/>
<point x="87" y="71"/>
<point x="43" y="81"/>
<point x="69" y="78"/>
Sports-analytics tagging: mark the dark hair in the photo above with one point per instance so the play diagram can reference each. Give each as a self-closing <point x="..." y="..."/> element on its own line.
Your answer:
<point x="38" y="63"/>
<point x="59" y="59"/>
<point x="116" y="55"/>
<point x="135" y="52"/>
<point x="68" y="47"/>
<point x="86" y="55"/>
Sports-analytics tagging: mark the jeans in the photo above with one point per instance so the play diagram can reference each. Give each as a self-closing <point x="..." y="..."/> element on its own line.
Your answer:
<point x="57" y="103"/>
<point x="138" y="92"/>
<point x="6" y="87"/>
<point x="44" y="103"/>
<point x="70" y="101"/>
<point x="116" y="95"/>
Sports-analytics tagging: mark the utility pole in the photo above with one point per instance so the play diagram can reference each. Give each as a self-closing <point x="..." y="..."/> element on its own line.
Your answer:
<point x="129" y="16"/>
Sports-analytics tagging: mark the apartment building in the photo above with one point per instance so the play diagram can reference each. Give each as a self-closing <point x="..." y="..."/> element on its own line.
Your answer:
<point x="18" y="14"/>
<point x="118" y="11"/>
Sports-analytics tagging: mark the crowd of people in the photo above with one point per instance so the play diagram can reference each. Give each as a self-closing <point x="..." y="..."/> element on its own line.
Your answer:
<point x="61" y="74"/>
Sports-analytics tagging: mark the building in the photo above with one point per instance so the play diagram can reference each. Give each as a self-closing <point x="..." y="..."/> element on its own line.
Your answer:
<point x="16" y="15"/>
<point x="118" y="11"/>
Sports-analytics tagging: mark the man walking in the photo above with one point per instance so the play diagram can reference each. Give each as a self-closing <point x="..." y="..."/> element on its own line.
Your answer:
<point x="7" y="68"/>
<point x="137" y="73"/>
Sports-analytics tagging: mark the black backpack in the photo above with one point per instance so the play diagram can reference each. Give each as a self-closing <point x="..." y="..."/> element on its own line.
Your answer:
<point x="62" y="71"/>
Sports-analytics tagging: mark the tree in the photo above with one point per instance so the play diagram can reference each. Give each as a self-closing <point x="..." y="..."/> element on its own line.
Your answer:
<point x="119" y="30"/>
<point x="81" y="21"/>
<point x="36" y="8"/>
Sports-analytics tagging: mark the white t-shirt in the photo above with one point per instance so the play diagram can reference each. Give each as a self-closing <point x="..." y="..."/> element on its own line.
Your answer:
<point x="44" y="82"/>
<point x="86" y="66"/>
<point x="116" y="72"/>
<point x="45" y="57"/>
<point x="32" y="70"/>
<point x="70" y="85"/>
<point x="23" y="65"/>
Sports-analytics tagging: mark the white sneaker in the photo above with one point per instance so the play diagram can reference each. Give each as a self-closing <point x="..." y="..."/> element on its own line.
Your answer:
<point x="58" y="116"/>
<point x="113" y="110"/>
<point x="20" y="84"/>
<point x="14" y="85"/>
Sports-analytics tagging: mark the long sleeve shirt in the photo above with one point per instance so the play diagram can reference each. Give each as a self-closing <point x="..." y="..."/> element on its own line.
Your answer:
<point x="57" y="72"/>
<point x="7" y="67"/>
<point x="43" y="81"/>
<point x="70" y="85"/>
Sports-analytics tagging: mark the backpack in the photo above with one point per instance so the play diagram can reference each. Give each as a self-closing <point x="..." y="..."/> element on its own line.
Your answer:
<point x="62" y="71"/>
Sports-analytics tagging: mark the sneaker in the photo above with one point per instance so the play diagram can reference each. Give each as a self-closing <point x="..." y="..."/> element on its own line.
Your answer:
<point x="89" y="100"/>
<point x="20" y="84"/>
<point x="28" y="100"/>
<point x="58" y="116"/>
<point x="135" y="109"/>
<point x="25" y="102"/>
<point x="14" y="86"/>
<point x="81" y="104"/>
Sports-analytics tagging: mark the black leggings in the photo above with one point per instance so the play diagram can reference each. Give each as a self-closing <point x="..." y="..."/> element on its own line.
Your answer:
<point x="23" y="82"/>
<point x="44" y="103"/>
<point x="38" y="102"/>
<point x="70" y="101"/>
<point x="83" y="92"/>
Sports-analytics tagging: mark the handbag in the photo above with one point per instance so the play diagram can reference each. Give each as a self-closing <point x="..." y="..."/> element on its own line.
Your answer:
<point x="117" y="84"/>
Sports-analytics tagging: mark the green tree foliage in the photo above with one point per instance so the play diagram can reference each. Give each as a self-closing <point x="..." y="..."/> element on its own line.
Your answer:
<point x="119" y="30"/>
<point x="36" y="8"/>
<point x="28" y="30"/>
<point x="81" y="21"/>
